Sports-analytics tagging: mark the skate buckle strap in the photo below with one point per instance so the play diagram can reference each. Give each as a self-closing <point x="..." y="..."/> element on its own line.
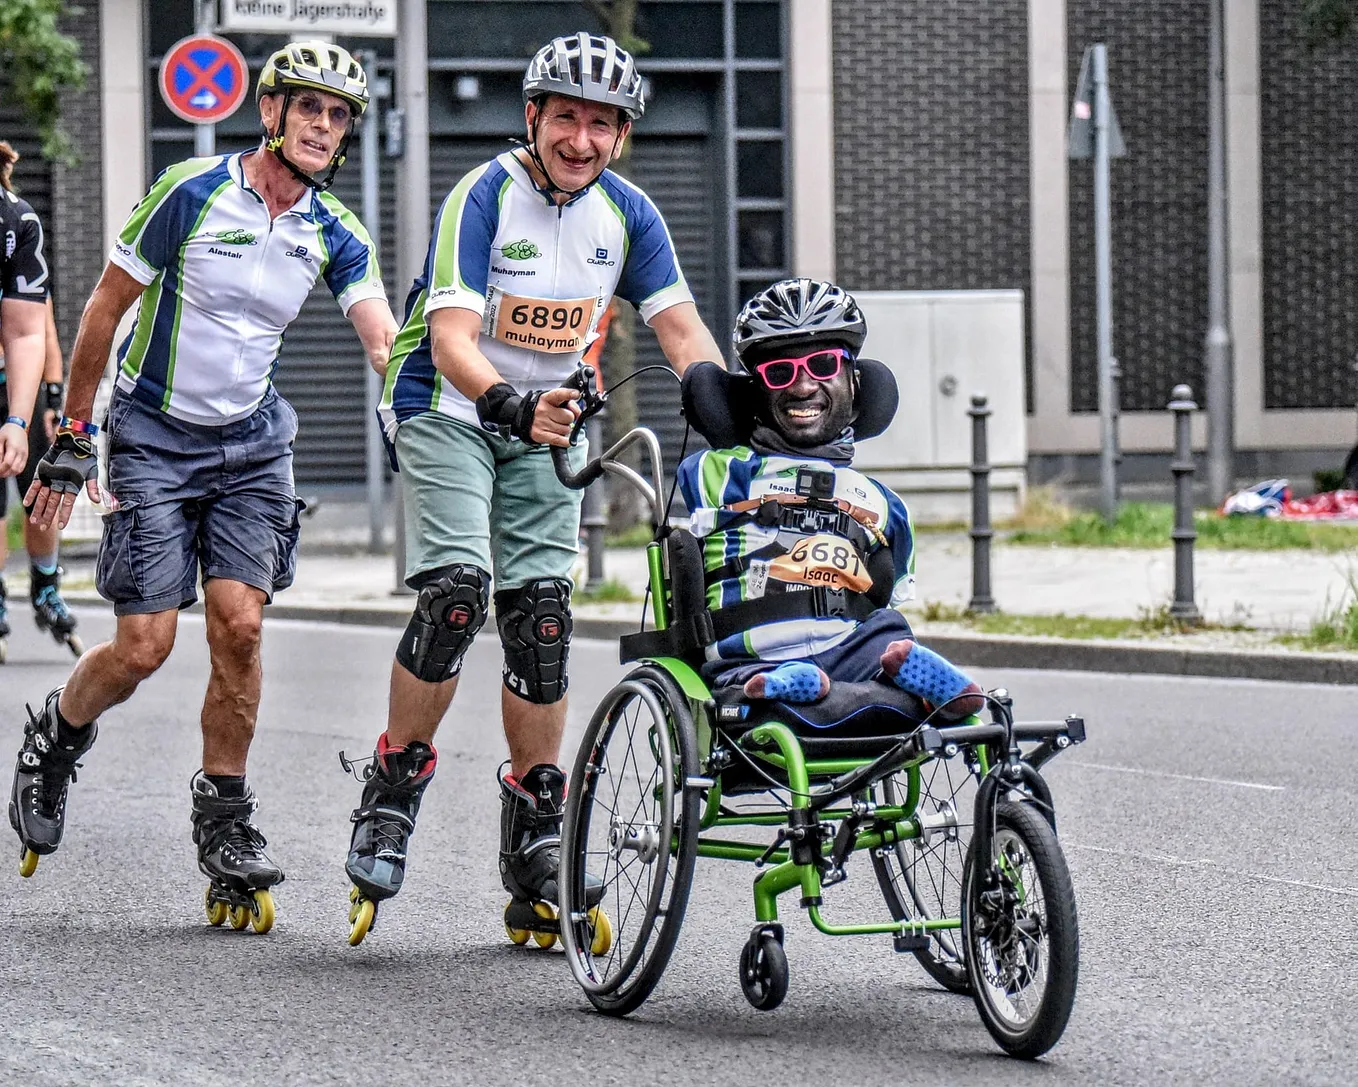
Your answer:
<point x="381" y="811"/>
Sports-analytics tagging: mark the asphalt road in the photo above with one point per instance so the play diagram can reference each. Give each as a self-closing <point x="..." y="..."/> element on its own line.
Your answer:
<point x="1209" y="825"/>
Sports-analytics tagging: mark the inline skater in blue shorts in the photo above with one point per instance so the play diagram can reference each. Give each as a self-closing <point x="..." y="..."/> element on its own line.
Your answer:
<point x="222" y="252"/>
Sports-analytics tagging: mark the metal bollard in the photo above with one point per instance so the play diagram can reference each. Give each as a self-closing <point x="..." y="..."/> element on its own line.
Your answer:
<point x="1183" y="608"/>
<point x="594" y="507"/>
<point x="981" y="533"/>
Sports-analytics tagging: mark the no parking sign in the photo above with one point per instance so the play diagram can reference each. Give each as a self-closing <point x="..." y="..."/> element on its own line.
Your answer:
<point x="203" y="79"/>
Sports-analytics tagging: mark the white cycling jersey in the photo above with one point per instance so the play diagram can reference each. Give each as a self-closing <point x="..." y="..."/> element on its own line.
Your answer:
<point x="540" y="275"/>
<point x="224" y="281"/>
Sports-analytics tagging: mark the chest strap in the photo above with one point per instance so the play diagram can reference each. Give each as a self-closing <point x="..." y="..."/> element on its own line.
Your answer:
<point x="694" y="634"/>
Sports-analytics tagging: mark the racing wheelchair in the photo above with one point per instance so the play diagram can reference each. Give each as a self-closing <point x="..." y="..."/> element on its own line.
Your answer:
<point x="956" y="820"/>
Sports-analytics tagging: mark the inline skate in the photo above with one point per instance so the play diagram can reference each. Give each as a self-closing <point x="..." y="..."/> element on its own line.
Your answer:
<point x="530" y="855"/>
<point x="50" y="612"/>
<point x="45" y="769"/>
<point x="394" y="780"/>
<point x="231" y="855"/>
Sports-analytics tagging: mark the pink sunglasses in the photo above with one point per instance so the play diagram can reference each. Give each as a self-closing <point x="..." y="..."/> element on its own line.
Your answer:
<point x="821" y="365"/>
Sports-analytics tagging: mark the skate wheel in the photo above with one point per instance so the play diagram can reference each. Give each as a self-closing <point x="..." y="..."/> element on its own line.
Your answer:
<point x="28" y="863"/>
<point x="361" y="916"/>
<point x="240" y="917"/>
<point x="216" y="909"/>
<point x="603" y="931"/>
<point x="517" y="936"/>
<point x="544" y="940"/>
<point x="261" y="917"/>
<point x="75" y="645"/>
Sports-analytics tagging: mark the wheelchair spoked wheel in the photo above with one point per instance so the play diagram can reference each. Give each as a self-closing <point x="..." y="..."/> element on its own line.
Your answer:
<point x="921" y="879"/>
<point x="630" y="822"/>
<point x="1021" y="933"/>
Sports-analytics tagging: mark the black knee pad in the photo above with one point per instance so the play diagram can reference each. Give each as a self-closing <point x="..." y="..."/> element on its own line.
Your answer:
<point x="451" y="608"/>
<point x="535" y="630"/>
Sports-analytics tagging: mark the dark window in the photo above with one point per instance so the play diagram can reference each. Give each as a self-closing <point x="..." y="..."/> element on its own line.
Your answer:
<point x="759" y="100"/>
<point x="759" y="30"/>
<point x="760" y="239"/>
<point x="759" y="169"/>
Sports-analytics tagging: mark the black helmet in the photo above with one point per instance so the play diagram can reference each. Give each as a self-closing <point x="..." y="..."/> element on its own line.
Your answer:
<point x="797" y="310"/>
<point x="588" y="66"/>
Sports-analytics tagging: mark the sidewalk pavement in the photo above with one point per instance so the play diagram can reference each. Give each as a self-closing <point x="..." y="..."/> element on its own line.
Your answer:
<point x="1268" y="592"/>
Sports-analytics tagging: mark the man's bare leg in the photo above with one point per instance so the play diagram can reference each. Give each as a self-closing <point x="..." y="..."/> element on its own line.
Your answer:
<point x="533" y="732"/>
<point x="415" y="708"/>
<point x="108" y="674"/>
<point x="235" y="615"/>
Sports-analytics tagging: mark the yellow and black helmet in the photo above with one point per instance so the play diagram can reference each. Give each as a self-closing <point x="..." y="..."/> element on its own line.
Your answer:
<point x="320" y="66"/>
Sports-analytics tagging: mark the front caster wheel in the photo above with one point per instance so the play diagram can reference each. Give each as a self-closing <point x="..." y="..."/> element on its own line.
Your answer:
<point x="763" y="971"/>
<point x="28" y="863"/>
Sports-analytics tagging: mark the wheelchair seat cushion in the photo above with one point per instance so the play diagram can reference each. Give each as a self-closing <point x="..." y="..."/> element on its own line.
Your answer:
<point x="866" y="709"/>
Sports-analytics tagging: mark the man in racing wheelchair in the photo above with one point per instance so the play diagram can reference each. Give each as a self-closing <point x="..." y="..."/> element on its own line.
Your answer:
<point x="805" y="558"/>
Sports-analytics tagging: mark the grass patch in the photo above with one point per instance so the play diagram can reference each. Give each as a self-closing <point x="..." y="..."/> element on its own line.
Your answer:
<point x="639" y="535"/>
<point x="1149" y="624"/>
<point x="14" y="525"/>
<point x="609" y="591"/>
<point x="1148" y="524"/>
<point x="1337" y="625"/>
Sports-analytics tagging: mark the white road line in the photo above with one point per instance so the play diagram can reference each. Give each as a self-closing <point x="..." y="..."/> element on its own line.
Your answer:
<point x="1205" y="862"/>
<point x="1176" y="777"/>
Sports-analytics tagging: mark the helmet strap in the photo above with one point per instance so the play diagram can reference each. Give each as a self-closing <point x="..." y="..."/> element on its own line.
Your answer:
<point x="275" y="144"/>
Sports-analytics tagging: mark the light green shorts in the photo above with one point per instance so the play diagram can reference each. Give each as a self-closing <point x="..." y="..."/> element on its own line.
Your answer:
<point x="472" y="497"/>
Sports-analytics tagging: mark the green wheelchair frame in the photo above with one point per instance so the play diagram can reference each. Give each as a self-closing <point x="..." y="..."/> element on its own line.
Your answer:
<point x="1013" y="940"/>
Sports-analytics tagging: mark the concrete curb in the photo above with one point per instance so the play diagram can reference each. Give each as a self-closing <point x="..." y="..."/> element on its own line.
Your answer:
<point x="974" y="650"/>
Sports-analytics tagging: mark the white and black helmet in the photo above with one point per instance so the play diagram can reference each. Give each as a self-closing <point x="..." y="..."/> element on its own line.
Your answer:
<point x="588" y="66"/>
<point x="794" y="310"/>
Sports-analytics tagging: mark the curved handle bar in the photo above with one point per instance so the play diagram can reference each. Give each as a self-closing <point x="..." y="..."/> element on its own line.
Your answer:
<point x="591" y="402"/>
<point x="577" y="481"/>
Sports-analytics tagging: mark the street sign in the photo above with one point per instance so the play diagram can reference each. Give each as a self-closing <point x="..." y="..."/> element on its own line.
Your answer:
<point x="203" y="79"/>
<point x="299" y="18"/>
<point x="1080" y="136"/>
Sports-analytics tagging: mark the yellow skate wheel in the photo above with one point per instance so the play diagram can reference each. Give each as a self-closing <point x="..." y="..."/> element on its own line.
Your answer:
<point x="28" y="863"/>
<point x="261" y="917"/>
<point x="240" y="917"/>
<point x="603" y="932"/>
<point x="517" y="936"/>
<point x="361" y="915"/>
<point x="544" y="940"/>
<point x="216" y="910"/>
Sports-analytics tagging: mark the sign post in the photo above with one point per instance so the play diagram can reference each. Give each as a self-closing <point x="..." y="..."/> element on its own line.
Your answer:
<point x="1101" y="140"/>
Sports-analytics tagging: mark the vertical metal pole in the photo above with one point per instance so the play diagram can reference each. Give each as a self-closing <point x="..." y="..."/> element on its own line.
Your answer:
<point x="1183" y="608"/>
<point x="593" y="512"/>
<point x="372" y="219"/>
<point x="981" y="532"/>
<point x="205" y="136"/>
<point x="412" y="173"/>
<point x="728" y="103"/>
<point x="1217" y="360"/>
<point x="1103" y="288"/>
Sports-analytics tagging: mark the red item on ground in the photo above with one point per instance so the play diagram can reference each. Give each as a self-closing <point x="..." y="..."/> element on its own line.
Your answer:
<point x="1326" y="506"/>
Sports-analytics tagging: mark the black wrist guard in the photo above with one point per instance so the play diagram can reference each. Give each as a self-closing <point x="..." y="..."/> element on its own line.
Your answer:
<point x="55" y="392"/>
<point x="503" y="411"/>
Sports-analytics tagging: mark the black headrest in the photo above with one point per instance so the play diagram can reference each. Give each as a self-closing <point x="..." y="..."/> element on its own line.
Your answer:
<point x="721" y="405"/>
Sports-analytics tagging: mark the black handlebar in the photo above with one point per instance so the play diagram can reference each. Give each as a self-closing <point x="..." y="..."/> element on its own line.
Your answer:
<point x="591" y="402"/>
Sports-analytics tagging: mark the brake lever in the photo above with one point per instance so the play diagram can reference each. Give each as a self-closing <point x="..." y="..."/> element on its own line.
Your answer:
<point x="591" y="400"/>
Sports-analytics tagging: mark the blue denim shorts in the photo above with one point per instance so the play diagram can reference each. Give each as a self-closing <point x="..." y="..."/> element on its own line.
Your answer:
<point x="190" y="498"/>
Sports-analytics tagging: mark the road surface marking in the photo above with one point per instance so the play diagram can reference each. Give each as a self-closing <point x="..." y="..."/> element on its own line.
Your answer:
<point x="1190" y="862"/>
<point x="1176" y="777"/>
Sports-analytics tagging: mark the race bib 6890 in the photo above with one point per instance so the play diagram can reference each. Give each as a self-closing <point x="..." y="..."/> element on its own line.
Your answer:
<point x="557" y="326"/>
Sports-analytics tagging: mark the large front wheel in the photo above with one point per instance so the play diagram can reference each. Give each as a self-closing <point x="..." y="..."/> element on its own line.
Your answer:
<point x="1021" y="935"/>
<point x="632" y="823"/>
